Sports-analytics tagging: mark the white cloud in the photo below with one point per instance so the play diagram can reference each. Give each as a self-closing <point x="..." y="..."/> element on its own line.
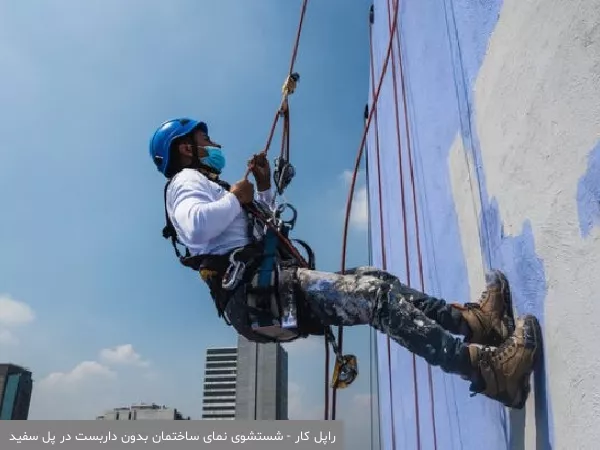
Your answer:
<point x="360" y="209"/>
<point x="83" y="392"/>
<point x="92" y="387"/>
<point x="359" y="213"/>
<point x="123" y="355"/>
<point x="14" y="312"/>
<point x="306" y="346"/>
<point x="82" y="373"/>
<point x="8" y="338"/>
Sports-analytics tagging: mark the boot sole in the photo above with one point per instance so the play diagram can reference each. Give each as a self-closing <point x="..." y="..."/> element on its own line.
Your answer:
<point x="493" y="277"/>
<point x="536" y="340"/>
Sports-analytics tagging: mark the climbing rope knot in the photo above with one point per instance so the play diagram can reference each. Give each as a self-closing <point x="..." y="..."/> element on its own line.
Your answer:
<point x="289" y="86"/>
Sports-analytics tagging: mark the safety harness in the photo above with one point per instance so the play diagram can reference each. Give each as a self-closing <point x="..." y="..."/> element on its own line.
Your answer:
<point x="259" y="266"/>
<point x="258" y="269"/>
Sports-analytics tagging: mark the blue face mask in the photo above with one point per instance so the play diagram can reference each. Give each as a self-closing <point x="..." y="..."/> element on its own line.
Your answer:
<point x="214" y="159"/>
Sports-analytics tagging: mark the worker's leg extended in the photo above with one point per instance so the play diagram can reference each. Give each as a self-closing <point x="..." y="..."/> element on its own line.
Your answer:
<point x="374" y="297"/>
<point x="489" y="321"/>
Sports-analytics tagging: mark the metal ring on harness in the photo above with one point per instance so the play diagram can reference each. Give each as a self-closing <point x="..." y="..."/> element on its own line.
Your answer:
<point x="290" y="223"/>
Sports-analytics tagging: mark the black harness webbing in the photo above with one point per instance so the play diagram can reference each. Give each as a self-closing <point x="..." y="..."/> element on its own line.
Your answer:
<point x="270" y="247"/>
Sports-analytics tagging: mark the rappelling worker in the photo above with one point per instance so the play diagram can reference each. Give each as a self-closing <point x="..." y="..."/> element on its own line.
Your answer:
<point x="210" y="219"/>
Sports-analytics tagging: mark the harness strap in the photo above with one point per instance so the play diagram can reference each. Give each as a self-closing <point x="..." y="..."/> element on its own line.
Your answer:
<point x="268" y="262"/>
<point x="263" y="258"/>
<point x="169" y="232"/>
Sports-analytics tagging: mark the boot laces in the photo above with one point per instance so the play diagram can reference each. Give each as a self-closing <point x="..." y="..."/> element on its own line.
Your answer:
<point x="503" y="350"/>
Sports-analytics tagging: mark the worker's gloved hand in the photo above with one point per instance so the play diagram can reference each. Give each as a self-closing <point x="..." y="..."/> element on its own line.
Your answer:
<point x="259" y="166"/>
<point x="244" y="191"/>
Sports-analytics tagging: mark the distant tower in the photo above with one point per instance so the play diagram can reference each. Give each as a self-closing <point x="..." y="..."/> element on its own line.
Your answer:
<point x="220" y="384"/>
<point x="15" y="392"/>
<point x="246" y="383"/>
<point x="262" y="381"/>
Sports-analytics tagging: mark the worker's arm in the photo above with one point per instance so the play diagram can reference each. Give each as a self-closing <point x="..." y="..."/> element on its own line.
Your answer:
<point x="265" y="196"/>
<point x="199" y="217"/>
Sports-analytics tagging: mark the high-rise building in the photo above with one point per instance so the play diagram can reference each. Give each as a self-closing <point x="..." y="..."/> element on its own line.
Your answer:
<point x="220" y="384"/>
<point x="15" y="392"/>
<point x="143" y="412"/>
<point x="249" y="382"/>
<point x="262" y="381"/>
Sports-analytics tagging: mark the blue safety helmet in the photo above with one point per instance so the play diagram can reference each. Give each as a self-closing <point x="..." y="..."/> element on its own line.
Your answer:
<point x="160" y="144"/>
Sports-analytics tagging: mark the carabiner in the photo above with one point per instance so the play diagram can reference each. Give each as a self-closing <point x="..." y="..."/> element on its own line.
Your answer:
<point x="234" y="272"/>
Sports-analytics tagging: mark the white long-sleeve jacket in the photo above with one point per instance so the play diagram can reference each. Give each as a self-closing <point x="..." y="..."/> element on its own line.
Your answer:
<point x="207" y="218"/>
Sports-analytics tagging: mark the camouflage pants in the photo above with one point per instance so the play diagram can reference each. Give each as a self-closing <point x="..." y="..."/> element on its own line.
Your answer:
<point x="366" y="295"/>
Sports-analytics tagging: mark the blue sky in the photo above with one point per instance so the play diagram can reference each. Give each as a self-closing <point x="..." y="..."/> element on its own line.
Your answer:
<point x="83" y="263"/>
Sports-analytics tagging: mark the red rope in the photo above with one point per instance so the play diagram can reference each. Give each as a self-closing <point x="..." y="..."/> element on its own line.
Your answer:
<point x="373" y="112"/>
<point x="372" y="109"/>
<point x="416" y="221"/>
<point x="404" y="223"/>
<point x="382" y="235"/>
<point x="381" y="228"/>
<point x="284" y="110"/>
<point x="292" y="63"/>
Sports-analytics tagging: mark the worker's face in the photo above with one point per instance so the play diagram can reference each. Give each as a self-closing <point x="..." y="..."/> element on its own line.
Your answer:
<point x="201" y="140"/>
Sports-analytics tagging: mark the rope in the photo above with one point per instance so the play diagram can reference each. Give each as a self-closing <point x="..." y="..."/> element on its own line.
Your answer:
<point x="288" y="88"/>
<point x="355" y="172"/>
<point x="417" y="229"/>
<point x="372" y="333"/>
<point x="393" y="24"/>
<point x="404" y="224"/>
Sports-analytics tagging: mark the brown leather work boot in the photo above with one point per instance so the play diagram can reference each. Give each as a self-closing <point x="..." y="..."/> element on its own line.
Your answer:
<point x="491" y="321"/>
<point x="504" y="373"/>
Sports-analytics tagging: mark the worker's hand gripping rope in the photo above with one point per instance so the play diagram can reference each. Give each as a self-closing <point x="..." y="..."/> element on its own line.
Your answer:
<point x="283" y="170"/>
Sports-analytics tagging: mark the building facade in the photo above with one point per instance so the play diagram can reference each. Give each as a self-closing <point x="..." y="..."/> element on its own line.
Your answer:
<point x="262" y="381"/>
<point x="143" y="412"/>
<point x="247" y="382"/>
<point x="15" y="392"/>
<point x="220" y="373"/>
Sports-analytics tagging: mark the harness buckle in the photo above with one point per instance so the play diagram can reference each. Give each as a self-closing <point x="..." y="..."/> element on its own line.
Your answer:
<point x="234" y="273"/>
